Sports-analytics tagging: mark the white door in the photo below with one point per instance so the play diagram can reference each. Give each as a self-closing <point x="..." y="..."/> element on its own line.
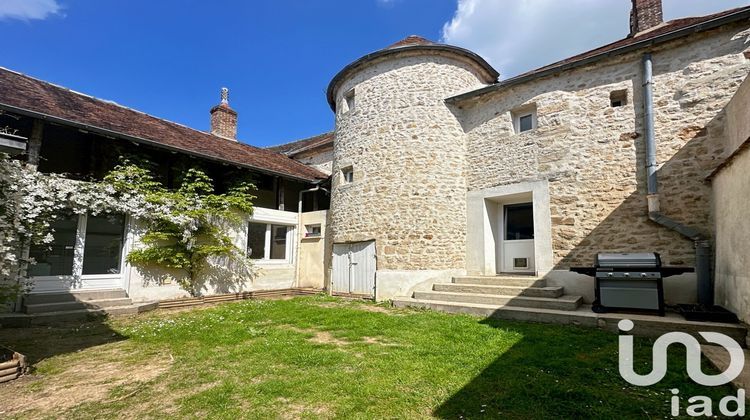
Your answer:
<point x="354" y="269"/>
<point x="517" y="241"/>
<point x="87" y="253"/>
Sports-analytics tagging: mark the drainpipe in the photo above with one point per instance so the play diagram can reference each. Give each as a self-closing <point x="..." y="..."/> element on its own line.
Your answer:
<point x="702" y="245"/>
<point x="299" y="229"/>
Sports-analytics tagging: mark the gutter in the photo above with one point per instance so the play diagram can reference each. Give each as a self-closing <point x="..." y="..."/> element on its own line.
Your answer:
<point x="115" y="134"/>
<point x="669" y="36"/>
<point x="701" y="242"/>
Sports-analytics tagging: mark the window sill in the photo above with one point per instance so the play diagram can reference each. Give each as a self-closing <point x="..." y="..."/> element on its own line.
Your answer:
<point x="273" y="263"/>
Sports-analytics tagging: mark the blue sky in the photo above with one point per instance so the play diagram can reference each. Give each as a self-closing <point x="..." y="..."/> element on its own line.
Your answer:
<point x="170" y="57"/>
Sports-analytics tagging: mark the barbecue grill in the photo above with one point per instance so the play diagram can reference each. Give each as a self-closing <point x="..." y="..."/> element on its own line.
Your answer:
<point x="629" y="281"/>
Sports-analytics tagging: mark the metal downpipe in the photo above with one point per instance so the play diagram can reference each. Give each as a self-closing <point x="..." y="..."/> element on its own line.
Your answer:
<point x="701" y="243"/>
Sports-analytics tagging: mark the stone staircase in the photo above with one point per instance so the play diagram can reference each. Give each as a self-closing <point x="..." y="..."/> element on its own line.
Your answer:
<point x="527" y="298"/>
<point x="491" y="295"/>
<point x="47" y="308"/>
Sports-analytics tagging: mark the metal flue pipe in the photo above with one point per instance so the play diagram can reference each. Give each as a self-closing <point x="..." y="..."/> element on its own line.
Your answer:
<point x="701" y="243"/>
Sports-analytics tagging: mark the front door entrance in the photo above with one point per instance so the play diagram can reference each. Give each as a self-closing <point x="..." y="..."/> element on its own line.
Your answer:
<point x="516" y="250"/>
<point x="354" y="269"/>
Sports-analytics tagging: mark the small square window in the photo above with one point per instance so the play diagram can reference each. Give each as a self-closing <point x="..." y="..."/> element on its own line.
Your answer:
<point x="348" y="103"/>
<point x="347" y="174"/>
<point x="525" y="123"/>
<point x="312" y="231"/>
<point x="524" y="118"/>
<point x="618" y="98"/>
<point x="269" y="242"/>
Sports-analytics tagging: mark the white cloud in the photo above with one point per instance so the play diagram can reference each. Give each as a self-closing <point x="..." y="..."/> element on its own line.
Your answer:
<point x="28" y="9"/>
<point x="386" y="3"/>
<point x="519" y="35"/>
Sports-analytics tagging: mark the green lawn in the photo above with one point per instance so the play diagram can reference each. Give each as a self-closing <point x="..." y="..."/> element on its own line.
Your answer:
<point x="320" y="357"/>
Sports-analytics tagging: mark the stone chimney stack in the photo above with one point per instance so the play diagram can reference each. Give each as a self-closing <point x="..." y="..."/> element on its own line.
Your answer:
<point x="224" y="118"/>
<point x="645" y="15"/>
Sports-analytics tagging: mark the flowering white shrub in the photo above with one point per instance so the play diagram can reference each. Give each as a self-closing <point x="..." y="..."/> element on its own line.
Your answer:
<point x="30" y="201"/>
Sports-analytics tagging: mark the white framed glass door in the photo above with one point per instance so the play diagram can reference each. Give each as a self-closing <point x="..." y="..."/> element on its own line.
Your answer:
<point x="87" y="252"/>
<point x="517" y="241"/>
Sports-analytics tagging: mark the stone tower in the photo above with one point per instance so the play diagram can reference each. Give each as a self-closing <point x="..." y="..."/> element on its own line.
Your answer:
<point x="399" y="154"/>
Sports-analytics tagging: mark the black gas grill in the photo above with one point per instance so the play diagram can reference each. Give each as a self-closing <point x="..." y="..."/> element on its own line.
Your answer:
<point x="629" y="281"/>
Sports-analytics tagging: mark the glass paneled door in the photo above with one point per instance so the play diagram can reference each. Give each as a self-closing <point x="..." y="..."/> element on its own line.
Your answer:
<point x="517" y="249"/>
<point x="87" y="252"/>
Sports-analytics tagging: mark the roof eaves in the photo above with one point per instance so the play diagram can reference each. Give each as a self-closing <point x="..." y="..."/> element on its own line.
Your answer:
<point x="669" y="36"/>
<point x="491" y="72"/>
<point x="309" y="147"/>
<point x="114" y="134"/>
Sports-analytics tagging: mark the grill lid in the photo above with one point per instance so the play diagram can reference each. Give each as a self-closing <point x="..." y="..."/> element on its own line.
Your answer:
<point x="628" y="260"/>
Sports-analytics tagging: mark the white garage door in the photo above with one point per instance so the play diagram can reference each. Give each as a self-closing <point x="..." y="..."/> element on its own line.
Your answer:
<point x="354" y="269"/>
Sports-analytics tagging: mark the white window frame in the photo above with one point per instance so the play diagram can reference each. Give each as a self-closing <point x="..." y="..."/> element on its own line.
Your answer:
<point x="309" y="230"/>
<point x="90" y="281"/>
<point x="521" y="112"/>
<point x="347" y="174"/>
<point x="270" y="217"/>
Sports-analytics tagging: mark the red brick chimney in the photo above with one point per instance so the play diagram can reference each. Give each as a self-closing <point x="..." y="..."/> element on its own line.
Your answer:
<point x="645" y="15"/>
<point x="224" y="118"/>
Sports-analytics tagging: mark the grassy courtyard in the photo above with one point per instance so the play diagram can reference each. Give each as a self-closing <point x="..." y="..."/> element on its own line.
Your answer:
<point x="320" y="357"/>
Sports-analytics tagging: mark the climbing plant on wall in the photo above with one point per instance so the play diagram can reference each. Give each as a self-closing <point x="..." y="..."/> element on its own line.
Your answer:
<point x="184" y="228"/>
<point x="192" y="229"/>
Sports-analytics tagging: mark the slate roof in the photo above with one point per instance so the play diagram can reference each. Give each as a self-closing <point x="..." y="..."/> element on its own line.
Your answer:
<point x="22" y="94"/>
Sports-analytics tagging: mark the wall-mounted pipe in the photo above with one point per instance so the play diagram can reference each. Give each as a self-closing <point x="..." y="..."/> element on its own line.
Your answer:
<point x="702" y="245"/>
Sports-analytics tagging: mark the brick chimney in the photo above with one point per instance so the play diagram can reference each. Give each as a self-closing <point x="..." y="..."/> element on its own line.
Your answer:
<point x="645" y="15"/>
<point x="224" y="118"/>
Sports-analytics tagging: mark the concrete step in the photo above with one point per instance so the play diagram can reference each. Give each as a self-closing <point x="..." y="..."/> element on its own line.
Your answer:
<point x="517" y="281"/>
<point x="76" y="315"/>
<point x="645" y="325"/>
<point x="516" y="313"/>
<point x="563" y="303"/>
<point x="546" y="292"/>
<point x="72" y="305"/>
<point x="39" y="298"/>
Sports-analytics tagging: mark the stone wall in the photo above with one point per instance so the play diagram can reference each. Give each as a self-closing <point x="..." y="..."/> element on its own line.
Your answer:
<point x="731" y="190"/>
<point x="320" y="159"/>
<point x="407" y="151"/>
<point x="592" y="154"/>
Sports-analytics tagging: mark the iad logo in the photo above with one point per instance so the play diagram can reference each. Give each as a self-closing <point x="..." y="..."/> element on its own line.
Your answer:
<point x="703" y="405"/>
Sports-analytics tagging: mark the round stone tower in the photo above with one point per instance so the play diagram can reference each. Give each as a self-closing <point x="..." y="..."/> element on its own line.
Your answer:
<point x="399" y="157"/>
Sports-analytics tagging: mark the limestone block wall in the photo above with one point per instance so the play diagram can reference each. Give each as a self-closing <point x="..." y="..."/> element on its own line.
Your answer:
<point x="592" y="154"/>
<point x="320" y="159"/>
<point x="407" y="151"/>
